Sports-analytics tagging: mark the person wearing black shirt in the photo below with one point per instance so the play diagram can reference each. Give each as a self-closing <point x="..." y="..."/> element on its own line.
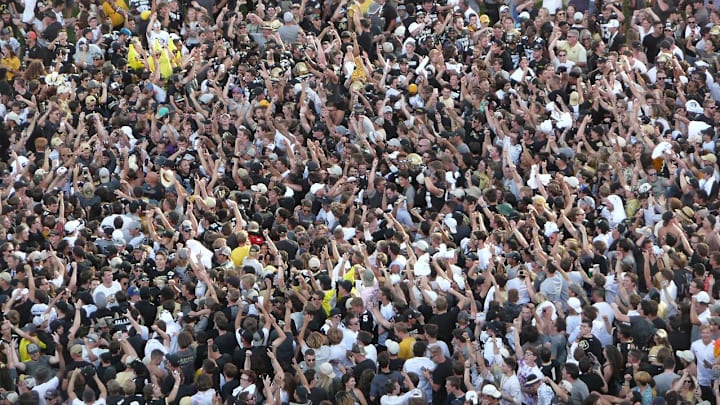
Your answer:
<point x="592" y="379"/>
<point x="175" y="378"/>
<point x="35" y="51"/>
<point x="362" y="363"/>
<point x="651" y="42"/>
<point x="588" y="342"/>
<point x="443" y="370"/>
<point x="445" y="318"/>
<point x="230" y="372"/>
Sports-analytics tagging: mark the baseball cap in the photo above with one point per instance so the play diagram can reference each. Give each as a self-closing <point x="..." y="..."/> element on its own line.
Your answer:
<point x="491" y="390"/>
<point x="133" y="291"/>
<point x="392" y="347"/>
<point x="702" y="297"/>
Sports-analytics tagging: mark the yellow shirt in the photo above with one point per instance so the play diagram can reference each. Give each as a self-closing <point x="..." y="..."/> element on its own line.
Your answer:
<point x="24" y="356"/>
<point x="577" y="53"/>
<point x="117" y="19"/>
<point x="357" y="6"/>
<point x="328" y="299"/>
<point x="12" y="64"/>
<point x="406" y="348"/>
<point x="239" y="254"/>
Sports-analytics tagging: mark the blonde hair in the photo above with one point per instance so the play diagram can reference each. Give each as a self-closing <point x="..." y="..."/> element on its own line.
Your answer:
<point x="642" y="377"/>
<point x="315" y="340"/>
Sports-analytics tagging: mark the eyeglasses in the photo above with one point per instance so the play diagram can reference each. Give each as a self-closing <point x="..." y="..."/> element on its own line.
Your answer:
<point x="712" y="107"/>
<point x="244" y="379"/>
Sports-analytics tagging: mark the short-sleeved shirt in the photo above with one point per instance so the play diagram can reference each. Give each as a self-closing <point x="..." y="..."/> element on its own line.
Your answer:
<point x="439" y="375"/>
<point x="406" y="348"/>
<point x="577" y="53"/>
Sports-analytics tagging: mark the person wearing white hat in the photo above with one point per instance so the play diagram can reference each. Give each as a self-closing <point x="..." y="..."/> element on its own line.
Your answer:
<point x="490" y="394"/>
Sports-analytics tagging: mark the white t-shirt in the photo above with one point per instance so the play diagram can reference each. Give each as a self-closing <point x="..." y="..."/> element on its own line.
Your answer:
<point x="108" y="291"/>
<point x="41" y="389"/>
<point x="415" y="365"/>
<point x="605" y="309"/>
<point x="510" y="386"/>
<point x="519" y="284"/>
<point x="703" y="352"/>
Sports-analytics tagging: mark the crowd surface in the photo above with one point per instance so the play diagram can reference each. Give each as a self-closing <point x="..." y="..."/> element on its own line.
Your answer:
<point x="359" y="202"/>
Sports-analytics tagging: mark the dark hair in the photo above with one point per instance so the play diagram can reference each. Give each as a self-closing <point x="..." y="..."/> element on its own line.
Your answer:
<point x="573" y="370"/>
<point x="419" y="349"/>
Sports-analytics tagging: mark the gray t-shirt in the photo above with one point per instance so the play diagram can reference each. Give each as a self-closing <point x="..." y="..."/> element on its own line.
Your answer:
<point x="579" y="393"/>
<point x="663" y="382"/>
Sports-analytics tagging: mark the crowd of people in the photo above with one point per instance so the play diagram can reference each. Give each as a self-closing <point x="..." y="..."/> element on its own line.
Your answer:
<point x="359" y="202"/>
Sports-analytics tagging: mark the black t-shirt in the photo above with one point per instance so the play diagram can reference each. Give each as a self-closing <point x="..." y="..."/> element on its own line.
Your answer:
<point x="651" y="44"/>
<point x="439" y="375"/>
<point x="366" y="364"/>
<point x="318" y="395"/>
<point x="41" y="53"/>
<point x="226" y="343"/>
<point x="228" y="388"/>
<point x="115" y="400"/>
<point x="147" y="310"/>
<point x="185" y="390"/>
<point x="592" y="345"/>
<point x="593" y="381"/>
<point x="397" y="364"/>
<point x="446" y="324"/>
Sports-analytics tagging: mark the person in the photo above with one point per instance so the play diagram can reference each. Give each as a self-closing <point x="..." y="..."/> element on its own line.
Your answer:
<point x="664" y="380"/>
<point x="539" y="392"/>
<point x="642" y="386"/>
<point x="579" y="391"/>
<point x="509" y="383"/>
<point x="88" y="395"/>
<point x="705" y="358"/>
<point x="436" y="377"/>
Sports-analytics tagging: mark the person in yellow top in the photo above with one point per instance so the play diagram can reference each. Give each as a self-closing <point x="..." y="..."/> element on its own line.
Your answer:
<point x="28" y="336"/>
<point x="575" y="51"/>
<point x="356" y="6"/>
<point x="406" y="341"/>
<point x="242" y="251"/>
<point x="115" y="10"/>
<point x="10" y="61"/>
